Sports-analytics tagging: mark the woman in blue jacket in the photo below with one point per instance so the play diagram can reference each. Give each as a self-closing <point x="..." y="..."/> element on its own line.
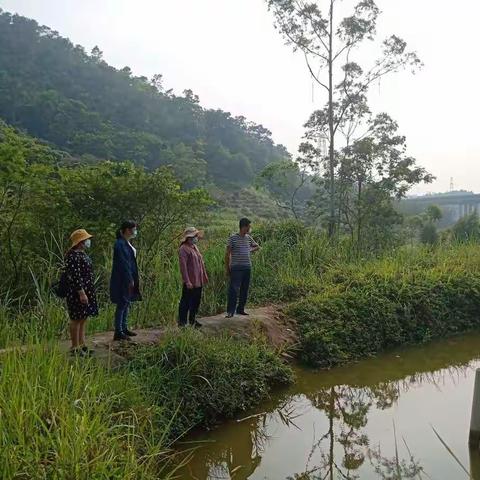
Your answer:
<point x="124" y="282"/>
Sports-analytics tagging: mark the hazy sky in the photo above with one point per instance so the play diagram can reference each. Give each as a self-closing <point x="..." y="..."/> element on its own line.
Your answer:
<point x="229" y="54"/>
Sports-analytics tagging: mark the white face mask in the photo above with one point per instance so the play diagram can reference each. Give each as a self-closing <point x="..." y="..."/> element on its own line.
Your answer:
<point x="88" y="243"/>
<point x="134" y="233"/>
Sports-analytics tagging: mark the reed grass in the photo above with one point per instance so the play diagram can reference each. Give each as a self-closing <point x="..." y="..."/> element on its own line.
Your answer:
<point x="207" y="378"/>
<point x="62" y="418"/>
<point x="406" y="297"/>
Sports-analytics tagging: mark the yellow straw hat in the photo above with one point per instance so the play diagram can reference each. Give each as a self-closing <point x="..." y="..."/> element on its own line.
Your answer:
<point x="79" y="236"/>
<point x="191" y="232"/>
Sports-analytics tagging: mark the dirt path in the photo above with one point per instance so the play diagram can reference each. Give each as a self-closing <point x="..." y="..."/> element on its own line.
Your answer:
<point x="265" y="321"/>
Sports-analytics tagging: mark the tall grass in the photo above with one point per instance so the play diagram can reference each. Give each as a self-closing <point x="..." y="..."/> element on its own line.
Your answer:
<point x="70" y="419"/>
<point x="74" y="419"/>
<point x="208" y="378"/>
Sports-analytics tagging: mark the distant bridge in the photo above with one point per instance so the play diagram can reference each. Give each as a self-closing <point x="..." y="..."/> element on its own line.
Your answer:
<point x="461" y="203"/>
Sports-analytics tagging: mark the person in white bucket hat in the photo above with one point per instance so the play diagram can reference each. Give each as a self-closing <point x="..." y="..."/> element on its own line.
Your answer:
<point x="194" y="277"/>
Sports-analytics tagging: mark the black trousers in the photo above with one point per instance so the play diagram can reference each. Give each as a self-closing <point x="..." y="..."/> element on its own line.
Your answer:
<point x="189" y="305"/>
<point x="238" y="290"/>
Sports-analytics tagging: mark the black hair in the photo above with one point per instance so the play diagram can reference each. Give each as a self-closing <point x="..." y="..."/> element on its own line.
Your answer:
<point x="245" y="222"/>
<point x="127" y="224"/>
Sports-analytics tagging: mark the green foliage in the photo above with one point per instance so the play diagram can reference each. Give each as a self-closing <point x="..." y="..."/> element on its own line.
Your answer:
<point x="208" y="378"/>
<point x="291" y="186"/>
<point x="57" y="92"/>
<point x="248" y="202"/>
<point x="429" y="234"/>
<point x="424" y="226"/>
<point x="406" y="299"/>
<point x="373" y="172"/>
<point x="467" y="229"/>
<point x="75" y="419"/>
<point x="434" y="213"/>
<point x="72" y="418"/>
<point x="44" y="196"/>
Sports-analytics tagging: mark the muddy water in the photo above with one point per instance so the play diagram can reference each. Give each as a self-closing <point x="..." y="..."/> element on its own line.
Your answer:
<point x="349" y="422"/>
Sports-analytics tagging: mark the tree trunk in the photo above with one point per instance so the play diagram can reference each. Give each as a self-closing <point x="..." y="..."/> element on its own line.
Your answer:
<point x="331" y="153"/>
<point x="359" y="216"/>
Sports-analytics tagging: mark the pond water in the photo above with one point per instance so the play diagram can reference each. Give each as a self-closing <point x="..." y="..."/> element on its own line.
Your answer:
<point x="353" y="422"/>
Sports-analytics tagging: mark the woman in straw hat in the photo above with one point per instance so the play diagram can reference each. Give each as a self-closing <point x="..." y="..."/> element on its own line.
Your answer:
<point x="81" y="300"/>
<point x="194" y="277"/>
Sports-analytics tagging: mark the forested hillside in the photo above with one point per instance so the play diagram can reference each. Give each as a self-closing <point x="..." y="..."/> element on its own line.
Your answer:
<point x="57" y="92"/>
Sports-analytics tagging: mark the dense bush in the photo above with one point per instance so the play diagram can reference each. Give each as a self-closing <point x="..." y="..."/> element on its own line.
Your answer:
<point x="385" y="304"/>
<point x="467" y="228"/>
<point x="44" y="196"/>
<point x="429" y="234"/>
<point x="206" y="379"/>
<point x="288" y="232"/>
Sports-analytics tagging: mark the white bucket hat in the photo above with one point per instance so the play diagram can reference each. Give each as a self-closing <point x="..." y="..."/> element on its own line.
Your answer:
<point x="191" y="232"/>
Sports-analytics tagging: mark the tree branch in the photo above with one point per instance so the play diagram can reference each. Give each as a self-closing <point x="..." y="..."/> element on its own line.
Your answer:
<point x="312" y="22"/>
<point x="313" y="75"/>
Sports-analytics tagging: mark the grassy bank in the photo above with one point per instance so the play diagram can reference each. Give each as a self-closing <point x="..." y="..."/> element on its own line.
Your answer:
<point x="207" y="378"/>
<point x="406" y="298"/>
<point x="289" y="266"/>
<point x="61" y="418"/>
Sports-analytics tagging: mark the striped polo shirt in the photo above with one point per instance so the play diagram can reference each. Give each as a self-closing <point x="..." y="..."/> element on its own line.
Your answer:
<point x="240" y="247"/>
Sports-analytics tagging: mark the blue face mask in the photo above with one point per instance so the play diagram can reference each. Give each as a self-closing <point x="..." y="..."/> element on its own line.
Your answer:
<point x="87" y="243"/>
<point x="134" y="233"/>
<point x="195" y="240"/>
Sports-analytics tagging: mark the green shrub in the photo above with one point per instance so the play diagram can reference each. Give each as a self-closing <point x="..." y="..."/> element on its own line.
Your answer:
<point x="467" y="229"/>
<point x="207" y="378"/>
<point x="288" y="232"/>
<point x="429" y="234"/>
<point x="385" y="304"/>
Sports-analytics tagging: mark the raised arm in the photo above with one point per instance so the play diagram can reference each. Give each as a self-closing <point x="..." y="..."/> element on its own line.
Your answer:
<point x="254" y="246"/>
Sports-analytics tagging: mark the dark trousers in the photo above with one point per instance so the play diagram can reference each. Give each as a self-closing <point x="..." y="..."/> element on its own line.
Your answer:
<point x="238" y="290"/>
<point x="121" y="315"/>
<point x="189" y="305"/>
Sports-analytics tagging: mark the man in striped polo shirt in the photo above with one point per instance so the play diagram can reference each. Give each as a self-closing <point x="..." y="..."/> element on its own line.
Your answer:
<point x="238" y="265"/>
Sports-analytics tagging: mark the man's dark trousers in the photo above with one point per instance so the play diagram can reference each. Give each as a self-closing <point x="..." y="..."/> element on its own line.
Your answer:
<point x="238" y="290"/>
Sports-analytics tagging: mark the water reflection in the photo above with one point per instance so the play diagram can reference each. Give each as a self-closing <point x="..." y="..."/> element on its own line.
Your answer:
<point x="226" y="459"/>
<point x="333" y="409"/>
